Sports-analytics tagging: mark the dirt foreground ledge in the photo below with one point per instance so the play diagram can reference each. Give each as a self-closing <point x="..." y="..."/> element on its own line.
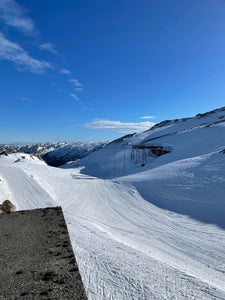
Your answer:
<point x="36" y="257"/>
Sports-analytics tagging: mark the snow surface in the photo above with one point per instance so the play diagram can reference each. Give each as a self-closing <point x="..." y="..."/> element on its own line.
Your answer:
<point x="151" y="232"/>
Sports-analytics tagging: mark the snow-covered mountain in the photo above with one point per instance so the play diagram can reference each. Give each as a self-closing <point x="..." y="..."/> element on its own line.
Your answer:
<point x="55" y="154"/>
<point x="187" y="137"/>
<point x="189" y="178"/>
<point x="146" y="213"/>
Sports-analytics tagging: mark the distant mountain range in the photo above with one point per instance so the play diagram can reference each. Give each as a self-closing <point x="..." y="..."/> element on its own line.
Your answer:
<point x="55" y="154"/>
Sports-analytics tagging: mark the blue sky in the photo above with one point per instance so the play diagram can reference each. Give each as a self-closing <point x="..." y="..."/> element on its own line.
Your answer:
<point x="95" y="70"/>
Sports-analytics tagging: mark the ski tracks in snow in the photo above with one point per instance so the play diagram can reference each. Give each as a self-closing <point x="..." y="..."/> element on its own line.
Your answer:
<point x="24" y="190"/>
<point x="132" y="251"/>
<point x="112" y="270"/>
<point x="126" y="247"/>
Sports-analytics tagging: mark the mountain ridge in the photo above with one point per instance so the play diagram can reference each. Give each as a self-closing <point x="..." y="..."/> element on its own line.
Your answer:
<point x="55" y="154"/>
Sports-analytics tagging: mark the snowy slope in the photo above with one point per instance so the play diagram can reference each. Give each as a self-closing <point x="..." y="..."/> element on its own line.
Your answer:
<point x="168" y="247"/>
<point x="184" y="137"/>
<point x="126" y="247"/>
<point x="189" y="180"/>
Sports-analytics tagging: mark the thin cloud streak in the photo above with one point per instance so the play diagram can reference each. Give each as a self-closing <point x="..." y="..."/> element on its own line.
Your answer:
<point x="14" y="52"/>
<point x="48" y="47"/>
<point x="75" y="82"/>
<point x="14" y="15"/>
<point x="147" y="117"/>
<point x="74" y="96"/>
<point x="117" y="125"/>
<point x="65" y="71"/>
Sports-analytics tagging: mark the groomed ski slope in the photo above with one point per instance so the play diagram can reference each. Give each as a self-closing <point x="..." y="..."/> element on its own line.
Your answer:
<point x="126" y="247"/>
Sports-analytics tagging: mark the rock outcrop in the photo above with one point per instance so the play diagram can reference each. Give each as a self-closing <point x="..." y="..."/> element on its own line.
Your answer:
<point x="7" y="207"/>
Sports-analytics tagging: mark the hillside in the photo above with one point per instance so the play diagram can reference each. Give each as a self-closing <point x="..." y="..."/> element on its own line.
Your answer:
<point x="143" y="225"/>
<point x="189" y="179"/>
<point x="188" y="137"/>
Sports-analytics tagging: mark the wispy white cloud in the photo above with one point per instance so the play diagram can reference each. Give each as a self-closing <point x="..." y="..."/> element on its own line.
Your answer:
<point x="74" y="96"/>
<point x="147" y="117"/>
<point x="65" y="71"/>
<point x="75" y="82"/>
<point x="117" y="125"/>
<point x="48" y="47"/>
<point x="14" y="15"/>
<point x="15" y="53"/>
